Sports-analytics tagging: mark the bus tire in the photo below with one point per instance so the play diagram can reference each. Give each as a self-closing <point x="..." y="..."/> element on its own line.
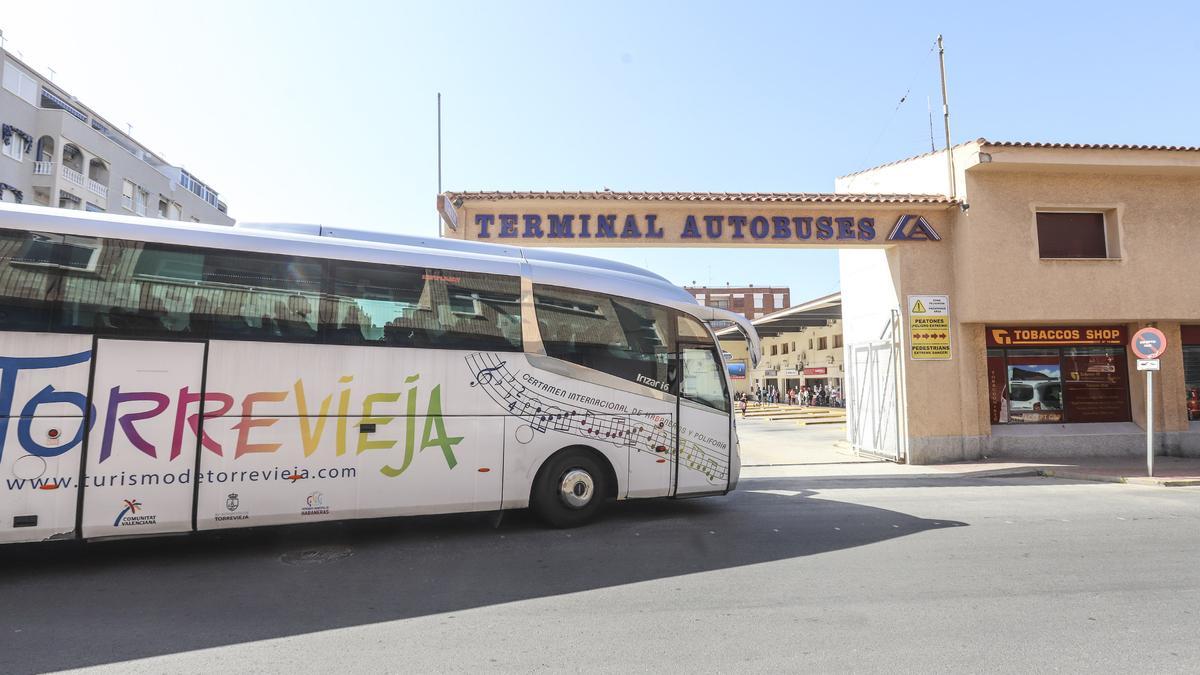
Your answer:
<point x="570" y="489"/>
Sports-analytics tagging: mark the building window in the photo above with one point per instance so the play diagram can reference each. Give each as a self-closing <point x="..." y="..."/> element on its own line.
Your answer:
<point x="17" y="82"/>
<point x="1071" y="235"/>
<point x="66" y="200"/>
<point x="162" y="208"/>
<point x="837" y="341"/>
<point x="810" y="343"/>
<point x="774" y="350"/>
<point x="779" y="303"/>
<point x="700" y="298"/>
<point x="127" y="189"/>
<point x="758" y="301"/>
<point x="140" y="197"/>
<point x="1191" y="369"/>
<point x="758" y="315"/>
<point x="14" y="144"/>
<point x="785" y="348"/>
<point x="95" y="208"/>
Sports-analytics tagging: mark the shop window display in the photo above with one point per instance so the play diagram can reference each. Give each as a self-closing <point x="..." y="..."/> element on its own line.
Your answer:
<point x="1070" y="384"/>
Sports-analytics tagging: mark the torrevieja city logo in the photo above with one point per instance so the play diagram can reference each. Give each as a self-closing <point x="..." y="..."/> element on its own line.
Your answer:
<point x="128" y="516"/>
<point x="233" y="505"/>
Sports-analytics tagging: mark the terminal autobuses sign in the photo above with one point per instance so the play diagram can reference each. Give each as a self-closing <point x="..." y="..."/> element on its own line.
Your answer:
<point x="1054" y="336"/>
<point x="700" y="227"/>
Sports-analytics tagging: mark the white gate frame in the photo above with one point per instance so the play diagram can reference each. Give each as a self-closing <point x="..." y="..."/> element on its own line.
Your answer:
<point x="875" y="395"/>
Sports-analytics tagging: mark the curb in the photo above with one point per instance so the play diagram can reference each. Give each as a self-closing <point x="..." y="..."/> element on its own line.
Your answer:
<point x="1131" y="480"/>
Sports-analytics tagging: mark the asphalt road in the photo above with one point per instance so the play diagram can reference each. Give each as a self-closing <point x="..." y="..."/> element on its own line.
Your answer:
<point x="874" y="574"/>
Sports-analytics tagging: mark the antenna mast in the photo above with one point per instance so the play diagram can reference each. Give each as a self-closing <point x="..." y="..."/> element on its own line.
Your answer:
<point x="439" y="155"/>
<point x="946" y="116"/>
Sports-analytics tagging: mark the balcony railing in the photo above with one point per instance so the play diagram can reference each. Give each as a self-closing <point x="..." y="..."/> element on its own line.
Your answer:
<point x="98" y="188"/>
<point x="43" y="168"/>
<point x="73" y="176"/>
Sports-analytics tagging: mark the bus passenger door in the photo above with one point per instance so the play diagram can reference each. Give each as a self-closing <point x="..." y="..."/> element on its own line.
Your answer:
<point x="703" y="450"/>
<point x="140" y="462"/>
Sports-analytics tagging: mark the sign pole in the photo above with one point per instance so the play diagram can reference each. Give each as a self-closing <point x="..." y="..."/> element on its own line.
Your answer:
<point x="1147" y="345"/>
<point x="1150" y="423"/>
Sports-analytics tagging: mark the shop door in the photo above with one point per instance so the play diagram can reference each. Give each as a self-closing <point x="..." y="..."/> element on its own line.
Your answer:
<point x="704" y="422"/>
<point x="141" y="452"/>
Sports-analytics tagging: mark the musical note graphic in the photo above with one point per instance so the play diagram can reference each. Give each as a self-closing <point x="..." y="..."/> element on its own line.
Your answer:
<point x="546" y="411"/>
<point x="485" y="375"/>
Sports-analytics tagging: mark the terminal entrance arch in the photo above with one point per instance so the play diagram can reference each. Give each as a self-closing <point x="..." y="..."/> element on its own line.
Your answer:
<point x="900" y="406"/>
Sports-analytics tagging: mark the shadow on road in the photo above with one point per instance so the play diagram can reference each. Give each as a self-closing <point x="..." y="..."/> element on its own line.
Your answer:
<point x="69" y="605"/>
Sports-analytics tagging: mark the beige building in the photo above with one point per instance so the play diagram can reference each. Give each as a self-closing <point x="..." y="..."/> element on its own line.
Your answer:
<point x="801" y="347"/>
<point x="987" y="303"/>
<point x="57" y="152"/>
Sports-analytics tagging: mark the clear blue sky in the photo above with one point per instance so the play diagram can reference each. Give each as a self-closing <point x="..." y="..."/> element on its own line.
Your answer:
<point x="324" y="111"/>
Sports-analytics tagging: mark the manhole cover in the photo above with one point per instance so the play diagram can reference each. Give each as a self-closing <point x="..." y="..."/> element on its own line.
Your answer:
<point x="316" y="556"/>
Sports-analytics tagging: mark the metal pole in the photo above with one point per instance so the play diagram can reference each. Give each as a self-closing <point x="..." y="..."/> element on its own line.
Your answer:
<point x="946" y="116"/>
<point x="1150" y="423"/>
<point x="439" y="153"/>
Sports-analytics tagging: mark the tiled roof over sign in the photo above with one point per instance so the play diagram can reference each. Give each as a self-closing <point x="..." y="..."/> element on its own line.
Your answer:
<point x="750" y="197"/>
<point x="983" y="142"/>
<point x="1086" y="146"/>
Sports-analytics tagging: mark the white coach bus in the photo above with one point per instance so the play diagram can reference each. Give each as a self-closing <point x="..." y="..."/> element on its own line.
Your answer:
<point x="159" y="377"/>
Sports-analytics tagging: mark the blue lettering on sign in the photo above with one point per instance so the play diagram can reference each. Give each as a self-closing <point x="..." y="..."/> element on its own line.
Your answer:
<point x="738" y="223"/>
<point x="9" y="368"/>
<point x="606" y="226"/>
<point x="713" y="225"/>
<point x="652" y="232"/>
<point x="560" y="226"/>
<point x="909" y="227"/>
<point x="508" y="224"/>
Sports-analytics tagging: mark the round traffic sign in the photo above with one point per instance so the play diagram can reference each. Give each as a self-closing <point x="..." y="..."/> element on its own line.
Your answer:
<point x="1148" y="343"/>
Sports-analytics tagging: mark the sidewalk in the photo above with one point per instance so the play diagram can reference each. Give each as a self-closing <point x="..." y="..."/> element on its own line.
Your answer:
<point x="1168" y="471"/>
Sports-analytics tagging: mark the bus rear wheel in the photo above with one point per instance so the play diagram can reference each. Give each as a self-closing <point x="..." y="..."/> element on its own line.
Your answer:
<point x="570" y="490"/>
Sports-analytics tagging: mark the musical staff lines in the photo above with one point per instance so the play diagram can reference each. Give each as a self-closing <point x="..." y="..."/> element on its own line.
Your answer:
<point x="544" y="411"/>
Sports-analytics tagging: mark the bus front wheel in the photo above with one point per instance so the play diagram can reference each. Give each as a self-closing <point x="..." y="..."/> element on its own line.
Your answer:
<point x="570" y="489"/>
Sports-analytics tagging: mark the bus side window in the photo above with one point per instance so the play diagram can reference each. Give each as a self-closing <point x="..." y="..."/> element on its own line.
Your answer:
<point x="626" y="338"/>
<point x="424" y="308"/>
<point x="31" y="268"/>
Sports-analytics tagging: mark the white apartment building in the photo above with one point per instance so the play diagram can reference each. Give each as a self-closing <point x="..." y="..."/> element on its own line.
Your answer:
<point x="55" y="151"/>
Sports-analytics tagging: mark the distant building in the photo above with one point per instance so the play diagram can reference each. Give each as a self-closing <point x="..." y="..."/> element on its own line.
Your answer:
<point x="55" y="151"/>
<point x="801" y="346"/>
<point x="752" y="302"/>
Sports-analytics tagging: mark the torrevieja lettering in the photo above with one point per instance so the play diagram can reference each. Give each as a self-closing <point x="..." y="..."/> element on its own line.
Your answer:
<point x="127" y="410"/>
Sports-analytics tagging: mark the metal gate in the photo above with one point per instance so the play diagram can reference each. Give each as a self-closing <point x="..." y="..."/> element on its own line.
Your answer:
<point x="872" y="395"/>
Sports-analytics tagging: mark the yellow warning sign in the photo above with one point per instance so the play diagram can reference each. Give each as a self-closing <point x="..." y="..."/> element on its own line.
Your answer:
<point x="929" y="327"/>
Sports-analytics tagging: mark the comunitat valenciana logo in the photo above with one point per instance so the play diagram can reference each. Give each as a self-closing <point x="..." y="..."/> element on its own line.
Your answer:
<point x="314" y="505"/>
<point x="128" y="516"/>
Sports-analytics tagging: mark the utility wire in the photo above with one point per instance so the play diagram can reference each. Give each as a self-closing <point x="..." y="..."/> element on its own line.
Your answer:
<point x="888" y="123"/>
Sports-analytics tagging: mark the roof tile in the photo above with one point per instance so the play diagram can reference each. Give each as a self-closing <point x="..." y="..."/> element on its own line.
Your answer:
<point x="749" y="197"/>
